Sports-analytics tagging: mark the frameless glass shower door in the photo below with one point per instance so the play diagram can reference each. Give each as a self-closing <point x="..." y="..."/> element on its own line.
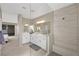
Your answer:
<point x="41" y="29"/>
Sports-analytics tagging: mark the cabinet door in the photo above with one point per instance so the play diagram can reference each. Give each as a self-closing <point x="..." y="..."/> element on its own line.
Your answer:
<point x="43" y="43"/>
<point x="65" y="34"/>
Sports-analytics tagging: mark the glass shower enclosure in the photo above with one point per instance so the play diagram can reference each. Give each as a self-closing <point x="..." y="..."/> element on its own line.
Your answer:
<point x="33" y="36"/>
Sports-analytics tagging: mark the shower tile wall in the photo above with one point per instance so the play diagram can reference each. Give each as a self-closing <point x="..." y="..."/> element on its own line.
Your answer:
<point x="65" y="30"/>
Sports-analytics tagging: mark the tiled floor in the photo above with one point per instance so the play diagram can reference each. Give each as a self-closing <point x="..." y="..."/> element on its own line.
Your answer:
<point x="13" y="49"/>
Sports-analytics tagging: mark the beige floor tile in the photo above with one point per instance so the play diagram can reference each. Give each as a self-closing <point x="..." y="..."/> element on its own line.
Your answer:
<point x="12" y="48"/>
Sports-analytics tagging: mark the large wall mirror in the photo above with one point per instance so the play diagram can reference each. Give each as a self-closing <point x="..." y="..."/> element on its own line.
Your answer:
<point x="43" y="28"/>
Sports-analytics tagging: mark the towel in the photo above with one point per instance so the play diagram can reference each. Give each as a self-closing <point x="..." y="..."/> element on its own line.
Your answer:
<point x="1" y="37"/>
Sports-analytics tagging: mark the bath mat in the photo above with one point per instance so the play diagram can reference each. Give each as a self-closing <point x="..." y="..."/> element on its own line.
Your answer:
<point x="54" y="54"/>
<point x="35" y="47"/>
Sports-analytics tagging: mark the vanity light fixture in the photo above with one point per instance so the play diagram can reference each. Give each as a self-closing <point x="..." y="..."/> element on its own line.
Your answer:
<point x="26" y="25"/>
<point x="42" y="21"/>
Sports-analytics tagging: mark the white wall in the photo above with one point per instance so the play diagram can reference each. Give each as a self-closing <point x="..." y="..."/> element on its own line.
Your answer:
<point x="8" y="17"/>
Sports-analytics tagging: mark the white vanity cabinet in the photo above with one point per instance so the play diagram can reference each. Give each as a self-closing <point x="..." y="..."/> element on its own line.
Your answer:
<point x="25" y="38"/>
<point x="39" y="40"/>
<point x="43" y="42"/>
<point x="35" y="38"/>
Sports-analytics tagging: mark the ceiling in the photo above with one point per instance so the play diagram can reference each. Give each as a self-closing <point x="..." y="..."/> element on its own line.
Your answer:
<point x="31" y="10"/>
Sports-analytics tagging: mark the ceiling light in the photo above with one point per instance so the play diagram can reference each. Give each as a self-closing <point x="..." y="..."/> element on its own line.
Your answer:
<point x="43" y="21"/>
<point x="26" y="25"/>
